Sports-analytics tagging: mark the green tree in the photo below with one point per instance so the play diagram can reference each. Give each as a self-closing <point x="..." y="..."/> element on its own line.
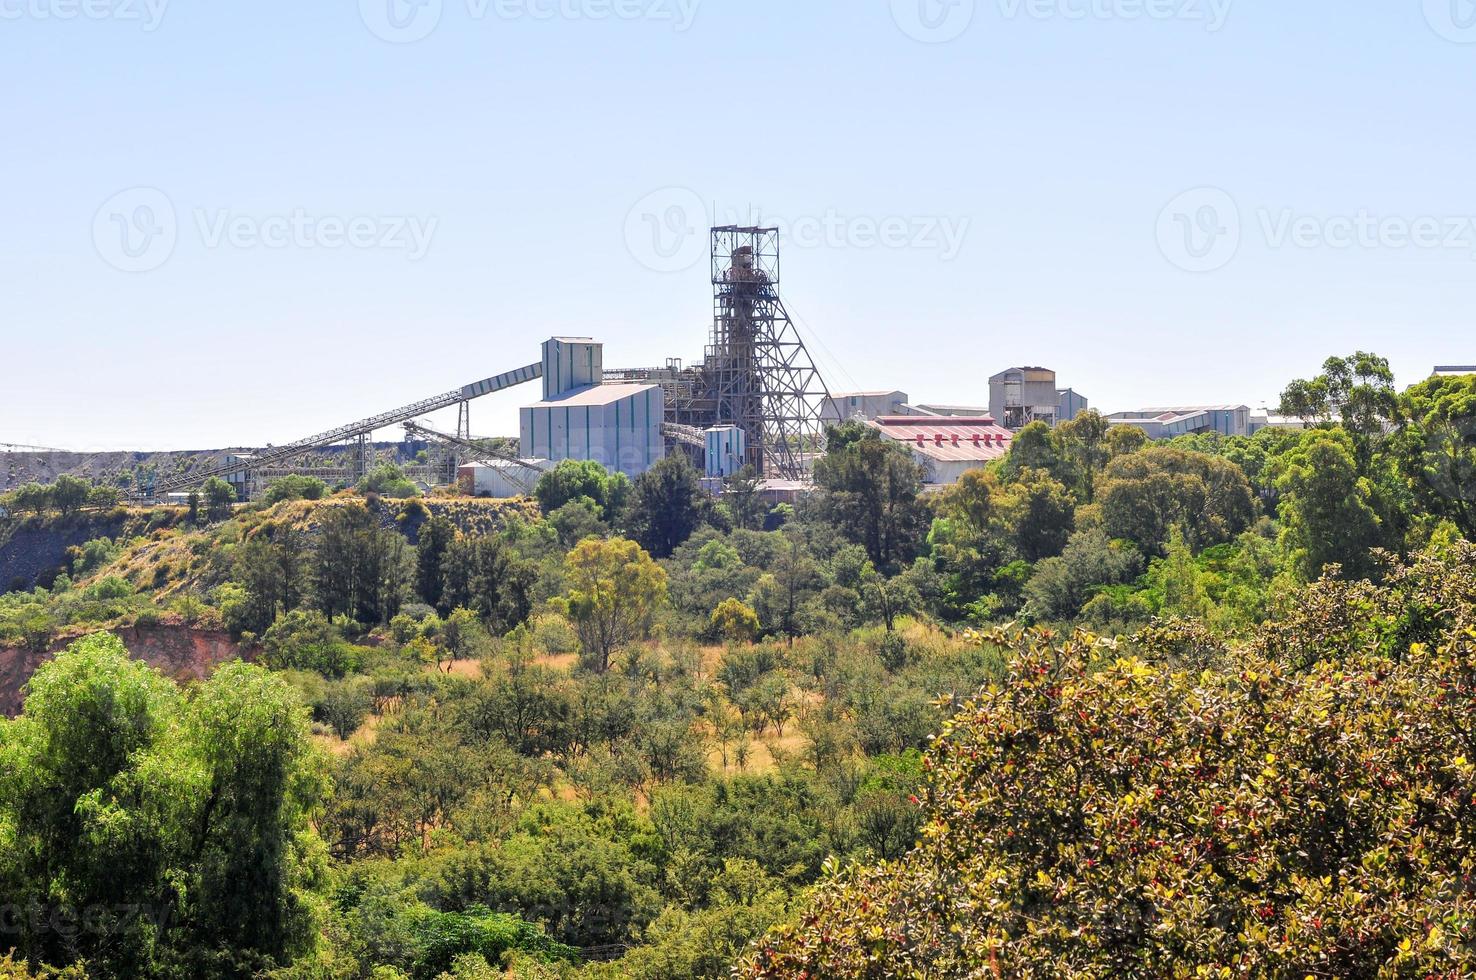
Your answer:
<point x="218" y="497"/>
<point x="175" y="827"/>
<point x="1040" y="513"/>
<point x="436" y="537"/>
<point x="69" y="494"/>
<point x="577" y="520"/>
<point x="1180" y="581"/>
<point x="388" y="480"/>
<point x="779" y="595"/>
<point x="582" y="479"/>
<point x="273" y="576"/>
<point x="294" y="487"/>
<point x="103" y="497"/>
<point x="735" y="621"/>
<point x="871" y="495"/>
<point x="361" y="571"/>
<point x="1038" y="447"/>
<point x="30" y="498"/>
<point x="1060" y="587"/>
<point x="1435" y="448"/>
<point x="304" y="639"/>
<point x="1147" y="493"/>
<point x="1122" y="440"/>
<point x="1083" y="442"/>
<point x="1357" y="391"/>
<point x="743" y="501"/>
<point x="1327" y="512"/>
<point x="486" y="575"/>
<point x="666" y="506"/>
<point x="614" y="590"/>
<point x="971" y="539"/>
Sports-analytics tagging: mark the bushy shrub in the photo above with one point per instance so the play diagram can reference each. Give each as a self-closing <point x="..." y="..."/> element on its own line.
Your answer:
<point x="293" y="487"/>
<point x="1136" y="820"/>
<point x="305" y="640"/>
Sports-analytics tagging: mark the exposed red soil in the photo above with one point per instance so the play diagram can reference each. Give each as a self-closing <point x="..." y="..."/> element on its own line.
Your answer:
<point x="180" y="652"/>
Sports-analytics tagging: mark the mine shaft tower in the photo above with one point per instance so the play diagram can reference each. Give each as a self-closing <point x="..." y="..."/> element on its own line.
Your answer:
<point x="757" y="374"/>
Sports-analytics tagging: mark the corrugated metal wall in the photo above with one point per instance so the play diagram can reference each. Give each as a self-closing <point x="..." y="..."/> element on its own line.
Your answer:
<point x="623" y="434"/>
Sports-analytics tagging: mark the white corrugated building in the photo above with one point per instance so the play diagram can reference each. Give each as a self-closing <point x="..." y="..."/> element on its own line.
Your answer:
<point x="501" y="478"/>
<point x="615" y="425"/>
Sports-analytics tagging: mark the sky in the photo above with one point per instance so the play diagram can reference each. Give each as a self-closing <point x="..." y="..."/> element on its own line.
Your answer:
<point x="232" y="224"/>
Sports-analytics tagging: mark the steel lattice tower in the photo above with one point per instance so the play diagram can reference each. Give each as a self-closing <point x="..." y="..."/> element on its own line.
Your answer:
<point x="759" y="375"/>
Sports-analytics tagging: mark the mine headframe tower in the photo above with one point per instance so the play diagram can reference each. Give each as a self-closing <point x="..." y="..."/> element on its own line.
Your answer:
<point x="757" y="373"/>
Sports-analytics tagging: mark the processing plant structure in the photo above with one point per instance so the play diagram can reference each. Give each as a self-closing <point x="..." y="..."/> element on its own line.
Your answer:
<point x="755" y="400"/>
<point x="756" y="373"/>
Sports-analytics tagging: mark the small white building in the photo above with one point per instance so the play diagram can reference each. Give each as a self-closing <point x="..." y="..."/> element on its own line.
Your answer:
<point x="1265" y="419"/>
<point x="727" y="445"/>
<point x="501" y="478"/>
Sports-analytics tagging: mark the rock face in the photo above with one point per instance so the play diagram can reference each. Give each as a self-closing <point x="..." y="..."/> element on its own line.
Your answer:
<point x="32" y="552"/>
<point x="179" y="652"/>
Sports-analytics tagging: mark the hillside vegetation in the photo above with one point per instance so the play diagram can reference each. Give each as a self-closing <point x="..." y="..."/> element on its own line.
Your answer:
<point x="1105" y="708"/>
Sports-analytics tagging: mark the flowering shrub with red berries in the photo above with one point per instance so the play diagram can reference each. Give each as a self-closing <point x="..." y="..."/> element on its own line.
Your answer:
<point x="1097" y="815"/>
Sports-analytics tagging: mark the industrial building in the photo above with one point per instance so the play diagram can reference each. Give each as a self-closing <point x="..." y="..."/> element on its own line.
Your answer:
<point x="618" y="426"/>
<point x="726" y="449"/>
<point x="947" y="447"/>
<point x="1264" y="419"/>
<point x="755" y="375"/>
<point x="961" y="411"/>
<point x="1070" y="404"/>
<point x="863" y="406"/>
<point x="501" y="478"/>
<point x="1021" y="395"/>
<point x="756" y="372"/>
<point x="1166" y="423"/>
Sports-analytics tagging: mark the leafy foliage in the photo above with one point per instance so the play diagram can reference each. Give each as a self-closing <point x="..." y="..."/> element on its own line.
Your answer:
<point x="137" y="811"/>
<point x="1136" y="820"/>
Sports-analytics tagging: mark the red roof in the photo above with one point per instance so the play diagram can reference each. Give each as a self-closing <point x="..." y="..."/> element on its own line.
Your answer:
<point x="948" y="439"/>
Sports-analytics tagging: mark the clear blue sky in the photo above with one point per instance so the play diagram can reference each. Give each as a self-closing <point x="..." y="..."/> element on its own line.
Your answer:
<point x="525" y="147"/>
